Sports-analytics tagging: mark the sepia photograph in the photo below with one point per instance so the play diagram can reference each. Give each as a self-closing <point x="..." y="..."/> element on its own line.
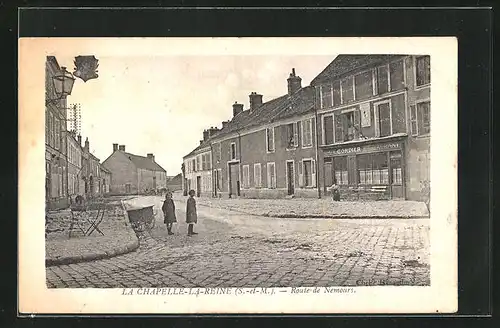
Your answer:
<point x="216" y="171"/>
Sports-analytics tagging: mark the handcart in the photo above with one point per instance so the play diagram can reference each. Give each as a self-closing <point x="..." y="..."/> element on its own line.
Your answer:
<point x="142" y="218"/>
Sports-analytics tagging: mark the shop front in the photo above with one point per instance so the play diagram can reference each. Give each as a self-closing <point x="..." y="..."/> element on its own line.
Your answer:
<point x="366" y="170"/>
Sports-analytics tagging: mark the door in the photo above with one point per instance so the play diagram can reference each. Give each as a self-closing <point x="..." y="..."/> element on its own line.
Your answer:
<point x="198" y="186"/>
<point x="154" y="183"/>
<point x="396" y="175"/>
<point x="328" y="173"/>
<point x="234" y="180"/>
<point x="290" y="174"/>
<point x="127" y="188"/>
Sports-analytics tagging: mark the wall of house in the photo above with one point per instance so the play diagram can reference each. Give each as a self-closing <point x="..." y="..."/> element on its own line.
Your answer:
<point x="145" y="180"/>
<point x="204" y="173"/>
<point x="123" y="172"/>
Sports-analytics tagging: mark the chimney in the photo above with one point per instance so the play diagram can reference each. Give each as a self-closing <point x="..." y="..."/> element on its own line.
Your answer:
<point x="151" y="157"/>
<point x="121" y="147"/>
<point x="225" y="123"/>
<point x="115" y="147"/>
<point x="201" y="141"/>
<point x="87" y="144"/>
<point x="205" y="135"/>
<point x="294" y="82"/>
<point x="255" y="100"/>
<point x="212" y="131"/>
<point x="237" y="108"/>
<point x="79" y="140"/>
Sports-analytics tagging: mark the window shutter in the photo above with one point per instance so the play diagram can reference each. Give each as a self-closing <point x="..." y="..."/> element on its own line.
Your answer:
<point x="283" y="131"/>
<point x="268" y="176"/>
<point x="301" y="175"/>
<point x="339" y="128"/>
<point x="357" y="124"/>
<point x="313" y="173"/>
<point x="296" y="134"/>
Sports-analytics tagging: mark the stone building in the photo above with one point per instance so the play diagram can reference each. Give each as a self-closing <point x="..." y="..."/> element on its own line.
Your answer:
<point x="364" y="122"/>
<point x="133" y="174"/>
<point x="374" y="126"/>
<point x="56" y="175"/>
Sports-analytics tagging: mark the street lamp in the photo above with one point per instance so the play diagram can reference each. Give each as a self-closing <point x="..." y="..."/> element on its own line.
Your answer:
<point x="63" y="84"/>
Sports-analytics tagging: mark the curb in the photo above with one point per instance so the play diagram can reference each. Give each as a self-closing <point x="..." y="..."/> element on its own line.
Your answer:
<point x="121" y="250"/>
<point x="321" y="216"/>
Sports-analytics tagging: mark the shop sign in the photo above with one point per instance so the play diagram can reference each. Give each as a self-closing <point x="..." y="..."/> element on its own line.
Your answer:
<point x="364" y="149"/>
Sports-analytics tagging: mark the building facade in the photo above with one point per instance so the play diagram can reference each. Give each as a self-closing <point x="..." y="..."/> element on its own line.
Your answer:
<point x="133" y="174"/>
<point x="266" y="151"/>
<point x="105" y="180"/>
<point x="374" y="126"/>
<point x="75" y="165"/>
<point x="363" y="123"/>
<point x="56" y="175"/>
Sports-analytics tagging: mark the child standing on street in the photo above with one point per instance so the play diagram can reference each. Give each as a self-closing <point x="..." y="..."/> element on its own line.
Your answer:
<point x="168" y="209"/>
<point x="191" y="216"/>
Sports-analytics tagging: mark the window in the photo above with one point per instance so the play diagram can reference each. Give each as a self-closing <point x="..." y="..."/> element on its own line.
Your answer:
<point x="373" y="169"/>
<point x="292" y="135"/>
<point x="57" y="128"/>
<point x="423" y="70"/>
<point x="233" y="150"/>
<point x="396" y="72"/>
<point x="193" y="164"/>
<point x="424" y="117"/>
<point x="199" y="163"/>
<point x="328" y="130"/>
<point x="204" y="162"/>
<point x="363" y="85"/>
<point x="382" y="79"/>
<point x="307" y="132"/>
<point x="383" y="119"/>
<point x="308" y="175"/>
<point x="270" y="139"/>
<point x="337" y="97"/>
<point x="257" y="175"/>
<point x="47" y="129"/>
<point x="217" y="153"/>
<point x="347" y="90"/>
<point x="340" y="170"/>
<point x="326" y="96"/>
<point x="246" y="176"/>
<point x="271" y="175"/>
<point x="347" y="126"/>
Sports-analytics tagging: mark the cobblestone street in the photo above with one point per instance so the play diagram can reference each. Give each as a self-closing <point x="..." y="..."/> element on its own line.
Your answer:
<point x="238" y="250"/>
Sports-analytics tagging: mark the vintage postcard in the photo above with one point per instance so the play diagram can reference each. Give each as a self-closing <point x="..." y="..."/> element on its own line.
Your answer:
<point x="238" y="175"/>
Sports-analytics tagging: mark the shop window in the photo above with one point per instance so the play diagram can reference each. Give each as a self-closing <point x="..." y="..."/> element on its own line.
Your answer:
<point x="340" y="170"/>
<point x="270" y="139"/>
<point x="292" y="135"/>
<point x="328" y="129"/>
<point x="423" y="70"/>
<point x="337" y="98"/>
<point x="307" y="133"/>
<point x="382" y="79"/>
<point x="257" y="173"/>
<point x="347" y="90"/>
<point x="373" y="169"/>
<point x="326" y="96"/>
<point x="396" y="72"/>
<point x="307" y="173"/>
<point x="363" y="85"/>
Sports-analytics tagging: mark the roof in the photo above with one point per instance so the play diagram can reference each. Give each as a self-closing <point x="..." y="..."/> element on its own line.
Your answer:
<point x="343" y="64"/>
<point x="142" y="162"/>
<point x="103" y="168"/>
<point x="300" y="102"/>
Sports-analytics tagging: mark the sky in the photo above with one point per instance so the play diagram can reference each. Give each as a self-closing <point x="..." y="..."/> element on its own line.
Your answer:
<point x="162" y="104"/>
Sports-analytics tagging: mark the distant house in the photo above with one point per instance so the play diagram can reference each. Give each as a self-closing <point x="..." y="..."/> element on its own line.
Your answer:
<point x="174" y="183"/>
<point x="133" y="174"/>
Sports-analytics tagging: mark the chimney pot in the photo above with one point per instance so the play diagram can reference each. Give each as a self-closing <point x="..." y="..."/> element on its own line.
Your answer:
<point x="205" y="135"/>
<point x="122" y="148"/>
<point x="151" y="157"/>
<point x="115" y="147"/>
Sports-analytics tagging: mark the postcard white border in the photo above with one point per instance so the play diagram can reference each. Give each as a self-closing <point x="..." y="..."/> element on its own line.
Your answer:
<point x="441" y="296"/>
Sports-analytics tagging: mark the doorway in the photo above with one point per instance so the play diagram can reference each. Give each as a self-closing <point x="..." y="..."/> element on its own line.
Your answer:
<point x="290" y="174"/>
<point x="234" y="180"/>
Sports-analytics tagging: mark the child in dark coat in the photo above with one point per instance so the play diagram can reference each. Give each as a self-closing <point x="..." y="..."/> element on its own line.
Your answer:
<point x="168" y="209"/>
<point x="191" y="216"/>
